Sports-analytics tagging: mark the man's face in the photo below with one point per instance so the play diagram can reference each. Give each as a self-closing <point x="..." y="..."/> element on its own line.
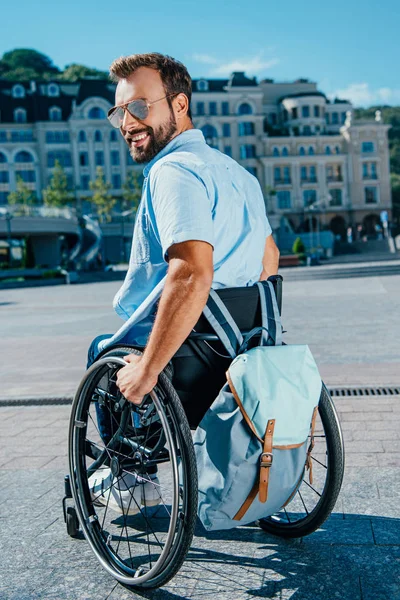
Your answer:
<point x="160" y="125"/>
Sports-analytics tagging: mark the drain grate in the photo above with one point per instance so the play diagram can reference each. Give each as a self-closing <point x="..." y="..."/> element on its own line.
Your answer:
<point x="365" y="391"/>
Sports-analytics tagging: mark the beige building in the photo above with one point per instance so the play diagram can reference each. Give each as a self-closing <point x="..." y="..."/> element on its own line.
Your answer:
<point x="315" y="163"/>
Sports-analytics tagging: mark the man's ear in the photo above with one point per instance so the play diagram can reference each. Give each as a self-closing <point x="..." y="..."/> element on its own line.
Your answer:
<point x="181" y="105"/>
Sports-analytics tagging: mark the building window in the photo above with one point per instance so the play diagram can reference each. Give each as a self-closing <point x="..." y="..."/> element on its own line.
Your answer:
<point x="55" y="113"/>
<point x="228" y="150"/>
<point x="85" y="182"/>
<point x="3" y="158"/>
<point x="327" y="121"/>
<point x="302" y="151"/>
<point x="225" y="108"/>
<point x="99" y="158"/>
<point x="213" y="108"/>
<point x="252" y="170"/>
<point x="367" y="147"/>
<point x="335" y="197"/>
<point x="245" y="109"/>
<point x="82" y="136"/>
<point x="285" y="114"/>
<point x="334" y="173"/>
<point x="57" y="137"/>
<point x="343" y="117"/>
<point x="3" y="197"/>
<point x="295" y="113"/>
<point x="18" y="91"/>
<point x="369" y="170"/>
<point x="337" y="150"/>
<point x="371" y="195"/>
<point x="305" y="112"/>
<point x="313" y="174"/>
<point x="316" y="111"/>
<point x="275" y="151"/>
<point x="210" y="134"/>
<point x="373" y="172"/>
<point x="335" y="118"/>
<point x="98" y="136"/>
<point x="328" y="150"/>
<point x="247" y="151"/>
<point x="286" y="175"/>
<point x="4" y="177"/>
<point x="3" y="136"/>
<point x="246" y="128"/>
<point x="200" y="108"/>
<point x="53" y="90"/>
<point x="285" y="151"/>
<point x="113" y="136"/>
<point x="309" y="197"/>
<point x="63" y="157"/>
<point x="306" y="130"/>
<point x="277" y="175"/>
<point x="311" y="150"/>
<point x="226" y="130"/>
<point x="202" y="85"/>
<point x="273" y="119"/>
<point x="283" y="198"/>
<point x="20" y="115"/>
<point x="116" y="182"/>
<point x="26" y="176"/>
<point x="115" y="161"/>
<point x="96" y="113"/>
<point x="23" y="157"/>
<point x="83" y="159"/>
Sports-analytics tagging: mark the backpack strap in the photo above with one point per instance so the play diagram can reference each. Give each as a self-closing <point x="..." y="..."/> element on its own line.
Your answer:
<point x="271" y="318"/>
<point x="223" y="323"/>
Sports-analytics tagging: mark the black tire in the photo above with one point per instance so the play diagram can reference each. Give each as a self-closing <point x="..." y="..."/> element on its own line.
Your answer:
<point x="72" y="522"/>
<point x="333" y="482"/>
<point x="187" y="518"/>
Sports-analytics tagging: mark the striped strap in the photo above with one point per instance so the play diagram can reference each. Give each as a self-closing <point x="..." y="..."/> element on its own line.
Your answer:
<point x="223" y="324"/>
<point x="271" y="319"/>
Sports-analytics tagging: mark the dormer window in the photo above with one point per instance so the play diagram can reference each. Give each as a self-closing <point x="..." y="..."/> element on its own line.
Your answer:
<point x="202" y="85"/>
<point x="53" y="90"/>
<point x="19" y="115"/>
<point x="18" y="91"/>
<point x="55" y="113"/>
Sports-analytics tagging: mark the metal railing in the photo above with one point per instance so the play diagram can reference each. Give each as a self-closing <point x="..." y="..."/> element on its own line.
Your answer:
<point x="22" y="210"/>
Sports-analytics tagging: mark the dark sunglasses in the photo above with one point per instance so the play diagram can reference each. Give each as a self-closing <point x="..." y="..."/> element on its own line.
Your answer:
<point x="139" y="109"/>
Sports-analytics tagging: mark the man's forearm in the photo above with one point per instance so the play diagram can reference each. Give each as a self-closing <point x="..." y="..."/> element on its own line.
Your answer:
<point x="179" y="309"/>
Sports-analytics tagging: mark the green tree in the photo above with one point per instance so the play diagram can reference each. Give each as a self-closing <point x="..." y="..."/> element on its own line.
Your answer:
<point x="74" y="72"/>
<point x="22" y="196"/>
<point x="101" y="198"/>
<point x="27" y="63"/>
<point x="57" y="192"/>
<point x="298" y="246"/>
<point x="131" y="191"/>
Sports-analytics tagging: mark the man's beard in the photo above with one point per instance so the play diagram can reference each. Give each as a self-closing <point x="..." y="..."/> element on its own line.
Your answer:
<point x="158" y="140"/>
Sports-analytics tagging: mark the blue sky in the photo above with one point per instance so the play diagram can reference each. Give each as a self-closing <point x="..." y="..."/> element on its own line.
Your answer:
<point x="351" y="48"/>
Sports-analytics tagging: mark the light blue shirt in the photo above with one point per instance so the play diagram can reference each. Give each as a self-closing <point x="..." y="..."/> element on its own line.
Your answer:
<point x="190" y="192"/>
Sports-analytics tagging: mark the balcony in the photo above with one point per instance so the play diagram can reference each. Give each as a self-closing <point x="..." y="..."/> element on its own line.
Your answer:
<point x="280" y="181"/>
<point x="334" y="178"/>
<point x="309" y="180"/>
<point x="370" y="176"/>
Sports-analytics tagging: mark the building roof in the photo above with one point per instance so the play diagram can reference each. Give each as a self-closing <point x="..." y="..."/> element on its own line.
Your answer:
<point x="302" y="94"/>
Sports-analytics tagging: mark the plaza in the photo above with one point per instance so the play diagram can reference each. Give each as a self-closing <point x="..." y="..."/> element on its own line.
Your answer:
<point x="352" y="329"/>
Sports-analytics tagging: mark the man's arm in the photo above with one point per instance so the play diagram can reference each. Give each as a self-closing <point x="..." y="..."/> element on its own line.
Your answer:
<point x="270" y="260"/>
<point x="185" y="294"/>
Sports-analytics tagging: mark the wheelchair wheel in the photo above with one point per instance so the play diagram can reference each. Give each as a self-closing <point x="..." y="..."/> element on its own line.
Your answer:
<point x="143" y="541"/>
<point x="314" y="501"/>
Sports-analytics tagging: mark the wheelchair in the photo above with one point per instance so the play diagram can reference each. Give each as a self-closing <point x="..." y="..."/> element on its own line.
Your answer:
<point x="146" y="545"/>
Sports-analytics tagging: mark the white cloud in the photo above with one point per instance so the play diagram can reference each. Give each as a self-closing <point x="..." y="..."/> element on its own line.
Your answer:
<point x="206" y="59"/>
<point x="251" y="66"/>
<point x="360" y="94"/>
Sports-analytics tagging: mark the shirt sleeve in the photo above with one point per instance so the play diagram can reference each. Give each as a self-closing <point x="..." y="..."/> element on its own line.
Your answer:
<point x="181" y="206"/>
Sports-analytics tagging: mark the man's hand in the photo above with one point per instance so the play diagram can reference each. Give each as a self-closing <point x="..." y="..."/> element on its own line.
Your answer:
<point x="134" y="380"/>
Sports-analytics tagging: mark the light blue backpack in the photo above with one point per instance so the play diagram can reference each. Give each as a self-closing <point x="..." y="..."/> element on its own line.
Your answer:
<point x="251" y="446"/>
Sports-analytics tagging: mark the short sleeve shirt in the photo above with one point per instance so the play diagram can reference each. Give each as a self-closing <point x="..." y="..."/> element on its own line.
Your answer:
<point x="191" y="192"/>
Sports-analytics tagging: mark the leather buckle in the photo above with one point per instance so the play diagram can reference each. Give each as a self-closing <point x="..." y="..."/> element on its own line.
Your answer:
<point x="263" y="462"/>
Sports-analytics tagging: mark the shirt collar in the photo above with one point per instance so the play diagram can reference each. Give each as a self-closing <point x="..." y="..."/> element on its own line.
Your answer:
<point x="191" y="135"/>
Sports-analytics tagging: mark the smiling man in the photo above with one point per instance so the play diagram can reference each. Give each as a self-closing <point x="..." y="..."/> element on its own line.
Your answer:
<point x="201" y="222"/>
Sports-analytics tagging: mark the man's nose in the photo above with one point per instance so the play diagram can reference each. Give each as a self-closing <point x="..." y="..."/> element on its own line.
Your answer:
<point x="128" y="120"/>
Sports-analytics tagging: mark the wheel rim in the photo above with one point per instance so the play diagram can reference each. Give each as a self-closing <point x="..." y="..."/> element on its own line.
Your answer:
<point x="134" y="548"/>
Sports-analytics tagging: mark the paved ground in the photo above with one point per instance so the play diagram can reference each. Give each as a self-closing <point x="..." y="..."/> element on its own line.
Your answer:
<point x="353" y="330"/>
<point x="354" y="556"/>
<point x="350" y="325"/>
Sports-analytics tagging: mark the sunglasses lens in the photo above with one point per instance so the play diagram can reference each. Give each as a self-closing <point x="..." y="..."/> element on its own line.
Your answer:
<point x="138" y="109"/>
<point x="116" y="117"/>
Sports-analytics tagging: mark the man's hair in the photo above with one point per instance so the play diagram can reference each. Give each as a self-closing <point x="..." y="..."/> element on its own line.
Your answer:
<point x="174" y="75"/>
